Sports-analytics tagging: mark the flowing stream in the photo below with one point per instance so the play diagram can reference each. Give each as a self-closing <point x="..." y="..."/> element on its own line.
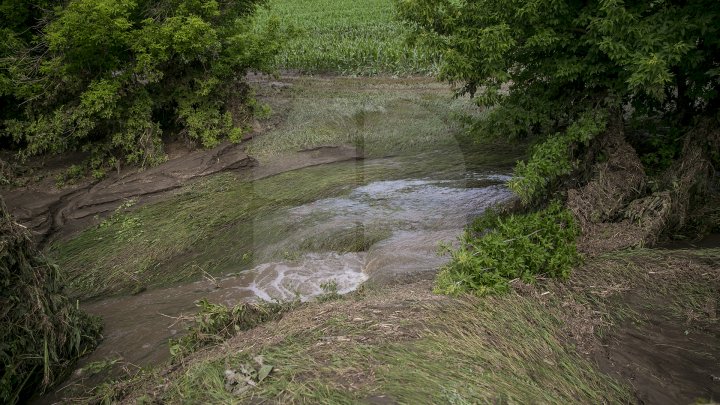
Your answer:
<point x="383" y="226"/>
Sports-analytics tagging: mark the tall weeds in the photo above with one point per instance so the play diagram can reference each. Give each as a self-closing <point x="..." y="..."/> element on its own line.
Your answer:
<point x="41" y="331"/>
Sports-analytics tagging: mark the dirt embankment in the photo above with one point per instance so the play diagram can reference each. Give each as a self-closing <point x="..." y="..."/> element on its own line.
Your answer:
<point x="664" y="335"/>
<point x="51" y="212"/>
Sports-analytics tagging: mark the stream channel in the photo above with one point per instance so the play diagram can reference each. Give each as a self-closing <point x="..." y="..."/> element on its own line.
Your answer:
<point x="382" y="223"/>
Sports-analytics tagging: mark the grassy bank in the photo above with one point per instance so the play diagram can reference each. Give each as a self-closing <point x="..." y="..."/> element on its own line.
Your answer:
<point x="555" y="343"/>
<point x="346" y="37"/>
<point x="487" y="351"/>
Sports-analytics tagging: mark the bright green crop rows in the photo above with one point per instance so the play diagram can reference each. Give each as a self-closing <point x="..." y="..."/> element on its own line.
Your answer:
<point x="352" y="37"/>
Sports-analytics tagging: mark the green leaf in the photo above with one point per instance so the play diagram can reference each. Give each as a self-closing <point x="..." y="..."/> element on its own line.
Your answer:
<point x="264" y="372"/>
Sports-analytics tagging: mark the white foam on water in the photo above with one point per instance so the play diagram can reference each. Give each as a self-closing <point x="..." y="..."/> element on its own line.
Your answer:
<point x="302" y="278"/>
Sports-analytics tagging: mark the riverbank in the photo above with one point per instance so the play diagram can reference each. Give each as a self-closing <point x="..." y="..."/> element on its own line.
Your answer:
<point x="638" y="326"/>
<point x="138" y="223"/>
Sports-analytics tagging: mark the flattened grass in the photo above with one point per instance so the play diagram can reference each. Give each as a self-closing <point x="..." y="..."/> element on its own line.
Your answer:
<point x="381" y="116"/>
<point x="507" y="349"/>
<point x="206" y="227"/>
<point x="346" y="37"/>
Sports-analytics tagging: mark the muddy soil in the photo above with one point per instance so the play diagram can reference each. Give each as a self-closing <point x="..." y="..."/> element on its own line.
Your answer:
<point x="663" y="361"/>
<point x="51" y="212"/>
<point x="665" y="341"/>
<point x="56" y="213"/>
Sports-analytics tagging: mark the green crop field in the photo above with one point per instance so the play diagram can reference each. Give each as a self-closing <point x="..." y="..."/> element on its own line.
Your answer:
<point x="351" y="37"/>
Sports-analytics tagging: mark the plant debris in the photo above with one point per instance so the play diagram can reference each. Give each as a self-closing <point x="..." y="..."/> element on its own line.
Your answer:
<point x="247" y="376"/>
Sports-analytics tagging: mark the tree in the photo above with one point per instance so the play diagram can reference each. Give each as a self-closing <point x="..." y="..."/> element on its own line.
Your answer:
<point x="559" y="70"/>
<point x="591" y="84"/>
<point x="111" y="77"/>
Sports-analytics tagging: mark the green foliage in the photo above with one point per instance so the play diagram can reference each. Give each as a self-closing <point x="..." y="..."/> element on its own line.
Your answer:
<point x="110" y="77"/>
<point x="552" y="159"/>
<point x="330" y="292"/>
<point x="497" y="249"/>
<point x="543" y="65"/>
<point x="42" y="333"/>
<point x="346" y="37"/>
<point x="216" y="323"/>
<point x="659" y="151"/>
<point x="69" y="176"/>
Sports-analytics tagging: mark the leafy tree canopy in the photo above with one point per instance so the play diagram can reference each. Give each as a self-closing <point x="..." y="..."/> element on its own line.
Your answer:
<point x="110" y="76"/>
<point x="559" y="69"/>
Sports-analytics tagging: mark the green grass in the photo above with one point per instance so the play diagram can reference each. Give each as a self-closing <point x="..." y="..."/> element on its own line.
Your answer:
<point x="208" y="227"/>
<point x="408" y="346"/>
<point x="346" y="37"/>
<point x="498" y="350"/>
<point x="212" y="226"/>
<point x="383" y="117"/>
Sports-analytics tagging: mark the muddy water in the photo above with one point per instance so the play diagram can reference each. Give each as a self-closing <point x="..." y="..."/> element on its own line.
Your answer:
<point x="379" y="228"/>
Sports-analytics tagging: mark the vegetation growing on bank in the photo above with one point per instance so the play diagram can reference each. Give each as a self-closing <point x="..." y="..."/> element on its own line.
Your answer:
<point x="602" y="89"/>
<point x="402" y="344"/>
<point x="113" y="78"/>
<point x="347" y="37"/>
<point x="42" y="333"/>
<point x="497" y="250"/>
<point x="405" y="344"/>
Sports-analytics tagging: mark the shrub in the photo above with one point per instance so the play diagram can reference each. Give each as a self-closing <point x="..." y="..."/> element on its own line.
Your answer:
<point x="496" y="249"/>
<point x="111" y="77"/>
<point x="551" y="70"/>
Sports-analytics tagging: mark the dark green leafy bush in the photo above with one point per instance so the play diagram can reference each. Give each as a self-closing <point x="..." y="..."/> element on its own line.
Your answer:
<point x="111" y="77"/>
<point x="496" y="249"/>
<point x="543" y="67"/>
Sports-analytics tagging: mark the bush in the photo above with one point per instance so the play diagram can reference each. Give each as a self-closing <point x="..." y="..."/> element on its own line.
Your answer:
<point x="42" y="333"/>
<point x="496" y="249"/>
<point x="111" y="77"/>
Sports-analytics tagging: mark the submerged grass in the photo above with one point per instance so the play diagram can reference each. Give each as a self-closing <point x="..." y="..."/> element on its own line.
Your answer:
<point x="379" y="116"/>
<point x="136" y="250"/>
<point x="346" y="37"/>
<point x="220" y="223"/>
